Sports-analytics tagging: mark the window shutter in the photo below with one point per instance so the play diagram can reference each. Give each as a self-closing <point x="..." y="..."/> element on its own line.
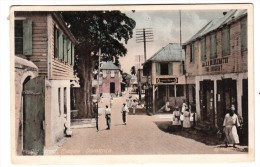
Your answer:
<point x="170" y="69"/>
<point x="244" y="33"/>
<point x="225" y="40"/>
<point x="72" y="55"/>
<point x="65" y="58"/>
<point x="27" y="37"/>
<point x="193" y="51"/>
<point x="213" y="46"/>
<point x="202" y="49"/>
<point x="158" y="68"/>
<point x="69" y="52"/>
<point x="56" y="43"/>
<point x="60" y="45"/>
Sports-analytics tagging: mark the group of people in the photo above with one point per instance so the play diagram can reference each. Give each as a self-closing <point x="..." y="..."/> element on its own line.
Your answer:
<point x="130" y="104"/>
<point x="183" y="117"/>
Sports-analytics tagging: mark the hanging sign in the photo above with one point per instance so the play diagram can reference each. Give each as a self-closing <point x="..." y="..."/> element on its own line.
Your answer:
<point x="166" y="80"/>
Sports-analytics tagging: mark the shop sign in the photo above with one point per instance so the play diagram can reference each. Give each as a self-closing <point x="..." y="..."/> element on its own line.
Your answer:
<point x="166" y="80"/>
<point x="215" y="64"/>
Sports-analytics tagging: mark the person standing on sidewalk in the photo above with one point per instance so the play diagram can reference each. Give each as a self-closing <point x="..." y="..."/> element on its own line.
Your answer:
<point x="95" y="109"/>
<point x="124" y="111"/>
<point x="108" y="117"/>
<point x="230" y="124"/>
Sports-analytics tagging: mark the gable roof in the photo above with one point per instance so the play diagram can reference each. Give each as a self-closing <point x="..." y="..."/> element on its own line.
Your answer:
<point x="169" y="53"/>
<point x="109" y="66"/>
<point x="214" y="24"/>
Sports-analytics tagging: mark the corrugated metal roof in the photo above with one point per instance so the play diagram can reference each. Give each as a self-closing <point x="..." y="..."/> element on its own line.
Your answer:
<point x="171" y="52"/>
<point x="109" y="66"/>
<point x="217" y="23"/>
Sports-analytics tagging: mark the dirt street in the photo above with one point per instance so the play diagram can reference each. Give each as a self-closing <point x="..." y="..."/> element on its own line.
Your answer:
<point x="141" y="135"/>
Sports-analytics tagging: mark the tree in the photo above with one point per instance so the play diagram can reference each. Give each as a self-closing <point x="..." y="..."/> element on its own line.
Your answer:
<point x="133" y="70"/>
<point x="94" y="30"/>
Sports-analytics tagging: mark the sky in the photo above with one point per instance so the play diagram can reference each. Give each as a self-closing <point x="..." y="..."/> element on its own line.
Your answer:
<point x="166" y="29"/>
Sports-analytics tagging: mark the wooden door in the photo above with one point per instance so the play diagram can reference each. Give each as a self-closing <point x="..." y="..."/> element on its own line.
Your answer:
<point x="244" y="138"/>
<point x="33" y="116"/>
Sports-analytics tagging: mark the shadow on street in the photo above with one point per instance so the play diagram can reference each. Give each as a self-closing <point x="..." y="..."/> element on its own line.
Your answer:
<point x="208" y="139"/>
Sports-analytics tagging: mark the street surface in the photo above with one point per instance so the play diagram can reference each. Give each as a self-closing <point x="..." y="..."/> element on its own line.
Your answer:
<point x="141" y="135"/>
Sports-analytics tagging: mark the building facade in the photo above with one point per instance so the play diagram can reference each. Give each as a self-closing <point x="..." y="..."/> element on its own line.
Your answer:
<point x="165" y="73"/>
<point x="109" y="81"/>
<point x="216" y="66"/>
<point x="43" y="39"/>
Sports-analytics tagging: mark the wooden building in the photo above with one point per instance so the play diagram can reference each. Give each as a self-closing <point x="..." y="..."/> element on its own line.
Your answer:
<point x="216" y="66"/>
<point x="165" y="73"/>
<point x="44" y="39"/>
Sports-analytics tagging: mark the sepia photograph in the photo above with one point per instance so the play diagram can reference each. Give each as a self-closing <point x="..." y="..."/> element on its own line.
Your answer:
<point x="132" y="80"/>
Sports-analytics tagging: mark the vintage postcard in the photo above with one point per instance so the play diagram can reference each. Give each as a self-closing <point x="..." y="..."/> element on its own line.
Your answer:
<point x="132" y="83"/>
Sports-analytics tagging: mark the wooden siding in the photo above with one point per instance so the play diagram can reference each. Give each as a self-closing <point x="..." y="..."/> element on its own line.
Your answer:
<point x="39" y="41"/>
<point x="59" y="69"/>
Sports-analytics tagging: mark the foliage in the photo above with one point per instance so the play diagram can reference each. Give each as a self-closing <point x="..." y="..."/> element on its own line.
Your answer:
<point x="133" y="70"/>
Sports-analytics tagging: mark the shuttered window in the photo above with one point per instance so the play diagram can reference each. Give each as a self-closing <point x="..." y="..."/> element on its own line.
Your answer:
<point x="60" y="45"/>
<point x="203" y="49"/>
<point x="164" y="68"/>
<point x="244" y="34"/>
<point x="72" y="55"/>
<point x="192" y="52"/>
<point x="56" y="42"/>
<point x="65" y="50"/>
<point x="158" y="68"/>
<point x="213" y="44"/>
<point x="170" y="69"/>
<point x="181" y="68"/>
<point x="225" y="41"/>
<point x="23" y="37"/>
<point x="69" y="52"/>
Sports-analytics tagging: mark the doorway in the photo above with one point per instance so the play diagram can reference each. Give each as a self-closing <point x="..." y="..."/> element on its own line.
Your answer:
<point x="226" y="96"/>
<point x="207" y="101"/>
<point x="112" y="87"/>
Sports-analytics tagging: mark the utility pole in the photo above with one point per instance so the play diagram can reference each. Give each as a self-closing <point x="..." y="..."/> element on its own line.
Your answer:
<point x="143" y="35"/>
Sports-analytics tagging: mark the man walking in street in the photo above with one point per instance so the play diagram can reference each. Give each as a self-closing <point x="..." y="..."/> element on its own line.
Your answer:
<point x="95" y="109"/>
<point x="108" y="117"/>
<point x="124" y="112"/>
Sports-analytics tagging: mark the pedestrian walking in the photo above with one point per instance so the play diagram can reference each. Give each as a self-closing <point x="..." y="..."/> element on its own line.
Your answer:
<point x="95" y="109"/>
<point x="108" y="117"/>
<point x="230" y="124"/>
<point x="111" y="102"/>
<point x="124" y="112"/>
<point x="186" y="119"/>
<point x="134" y="106"/>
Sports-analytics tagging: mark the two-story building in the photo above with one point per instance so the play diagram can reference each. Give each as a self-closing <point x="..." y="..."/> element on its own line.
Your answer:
<point x="216" y="66"/>
<point x="42" y="39"/>
<point x="165" y="72"/>
<point x="111" y="79"/>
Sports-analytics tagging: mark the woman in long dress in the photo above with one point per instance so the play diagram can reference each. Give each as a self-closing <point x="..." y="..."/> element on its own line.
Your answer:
<point x="230" y="124"/>
<point x="186" y="120"/>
